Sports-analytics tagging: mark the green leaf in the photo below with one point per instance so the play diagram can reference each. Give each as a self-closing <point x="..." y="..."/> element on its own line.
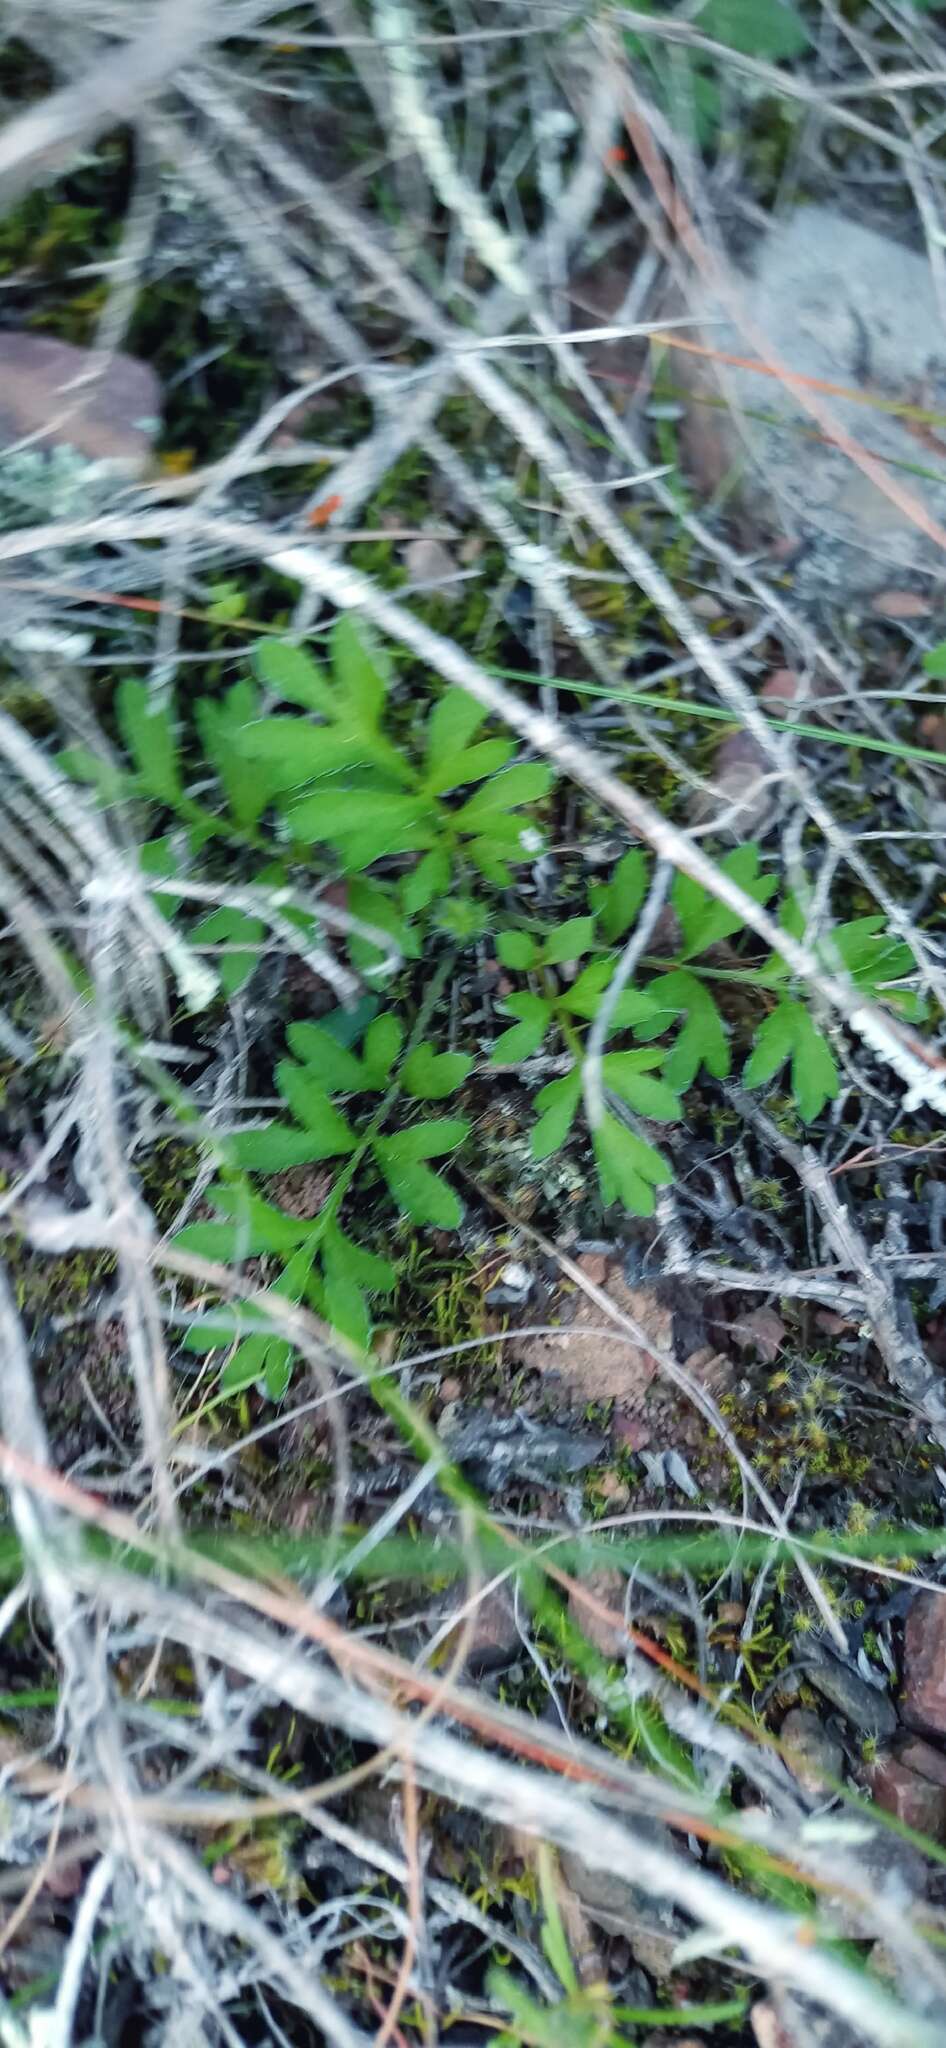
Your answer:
<point x="246" y="1365"/>
<point x="429" y="1140"/>
<point x="473" y="764"/>
<point x="628" y="1169"/>
<point x="422" y="1195"/>
<point x="345" y="1307"/>
<point x="382" y="1044"/>
<point x="642" y="1092"/>
<point x="430" y="878"/>
<point x="523" y="1039"/>
<point x="517" y="950"/>
<point x="277" y="1368"/>
<point x="451" y="725"/>
<point x="429" y="1075"/>
<point x="702" y="1041"/>
<point x="226" y="927"/>
<point x="870" y="953"/>
<point x="618" y="902"/>
<point x="360" y="668"/>
<point x="491" y="864"/>
<point x="935" y="661"/>
<point x="525" y="784"/>
<point x="294" y="751"/>
<point x="311" y="1107"/>
<point x="790" y="1031"/>
<point x="252" y="1225"/>
<point x="815" y="1078"/>
<point x="227" y="1243"/>
<point x="293" y="675"/>
<point x="558" y="1102"/>
<point x="375" y="903"/>
<point x="270" y="1229"/>
<point x="586" y="994"/>
<point x="704" y="921"/>
<point x="384" y="820"/>
<point x="364" y="1268"/>
<point x="158" y="857"/>
<point x="336" y="1067"/>
<point x="228" y="603"/>
<point x="756" y="28"/>
<point x="462" y="917"/>
<point x="222" y="724"/>
<point x="150" y="739"/>
<point x="213" y="1332"/>
<point x="82" y="765"/>
<point x="775" y="1040"/>
<point x="274" y="1147"/>
<point x="569" y="941"/>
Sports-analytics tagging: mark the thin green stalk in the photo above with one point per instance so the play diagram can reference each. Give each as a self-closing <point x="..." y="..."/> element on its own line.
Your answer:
<point x="903" y="750"/>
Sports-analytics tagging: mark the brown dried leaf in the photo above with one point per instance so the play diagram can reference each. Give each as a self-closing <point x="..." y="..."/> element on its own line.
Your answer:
<point x="762" y="1330"/>
<point x="597" y="1368"/>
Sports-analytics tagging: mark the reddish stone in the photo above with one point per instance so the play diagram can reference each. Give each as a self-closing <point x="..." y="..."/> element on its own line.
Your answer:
<point x="925" y="1760"/>
<point x="901" y="604"/>
<point x="911" y="1799"/>
<point x="51" y="393"/>
<point x="631" y="1431"/>
<point x="923" y="1705"/>
<point x="781" y="687"/>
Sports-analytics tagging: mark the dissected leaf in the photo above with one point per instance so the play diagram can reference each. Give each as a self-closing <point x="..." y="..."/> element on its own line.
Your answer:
<point x="525" y="784"/>
<point x="586" y="994"/>
<point x="628" y="1168"/>
<point x="702" y="1040"/>
<point x="617" y="902"/>
<point x="270" y="1149"/>
<point x="382" y="1044"/>
<point x="522" y="1039"/>
<point x="362" y="1267"/>
<point x="472" y="764"/>
<point x="517" y="950"/>
<point x="704" y="921"/>
<point x="294" y="676"/>
<point x="269" y="1228"/>
<point x="451" y="725"/>
<point x="335" y="1065"/>
<point x="491" y="864"/>
<point x="151" y="741"/>
<point x="791" y="1032"/>
<point x="757" y="28"/>
<point x="292" y="751"/>
<point x="226" y="927"/>
<point x="775" y="1040"/>
<point x="83" y="765"/>
<point x="429" y="1140"/>
<point x="430" y="878"/>
<point x="642" y="1092"/>
<point x="558" y="1102"/>
<point x="252" y="1225"/>
<point x="364" y="822"/>
<point x="430" y="1075"/>
<point x="246" y="1365"/>
<point x="815" y="1078"/>
<point x="374" y="903"/>
<point x="421" y="1194"/>
<point x="569" y="941"/>
<point x="360" y="668"/>
<point x="222" y="722"/>
<point x="312" y="1108"/>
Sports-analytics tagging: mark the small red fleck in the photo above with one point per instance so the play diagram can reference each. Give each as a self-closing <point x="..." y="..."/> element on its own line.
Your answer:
<point x="616" y="155"/>
<point x="321" y="514"/>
